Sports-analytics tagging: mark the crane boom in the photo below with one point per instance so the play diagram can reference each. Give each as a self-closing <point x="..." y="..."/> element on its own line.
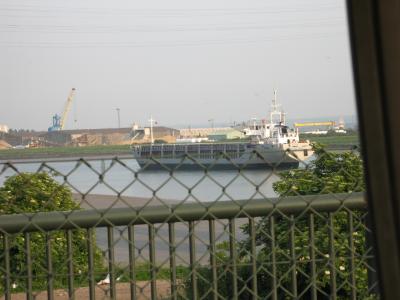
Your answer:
<point x="305" y="124"/>
<point x="67" y="108"/>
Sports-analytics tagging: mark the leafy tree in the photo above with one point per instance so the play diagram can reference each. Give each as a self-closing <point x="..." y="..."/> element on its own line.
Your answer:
<point x="29" y="193"/>
<point x="329" y="173"/>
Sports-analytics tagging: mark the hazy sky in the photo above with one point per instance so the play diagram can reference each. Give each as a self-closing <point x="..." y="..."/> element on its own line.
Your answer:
<point x="184" y="62"/>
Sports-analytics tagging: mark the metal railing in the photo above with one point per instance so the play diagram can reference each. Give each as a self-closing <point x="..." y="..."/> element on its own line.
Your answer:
<point x="255" y="247"/>
<point x="179" y="213"/>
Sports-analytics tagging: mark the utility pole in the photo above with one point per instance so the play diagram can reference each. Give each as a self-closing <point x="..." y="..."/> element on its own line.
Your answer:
<point x="75" y="115"/>
<point x="212" y="123"/>
<point x="119" y="120"/>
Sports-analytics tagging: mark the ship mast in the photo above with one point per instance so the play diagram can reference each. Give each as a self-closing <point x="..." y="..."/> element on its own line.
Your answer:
<point x="152" y="121"/>
<point x="276" y="112"/>
<point x="274" y="107"/>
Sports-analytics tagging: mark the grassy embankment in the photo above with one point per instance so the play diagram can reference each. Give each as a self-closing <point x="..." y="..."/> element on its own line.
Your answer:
<point x="64" y="152"/>
<point x="332" y="140"/>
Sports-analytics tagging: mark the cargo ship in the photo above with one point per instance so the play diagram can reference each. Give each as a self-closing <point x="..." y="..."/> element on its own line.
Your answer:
<point x="272" y="145"/>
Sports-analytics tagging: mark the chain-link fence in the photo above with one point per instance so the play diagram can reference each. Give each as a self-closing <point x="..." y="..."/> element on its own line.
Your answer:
<point x="109" y="228"/>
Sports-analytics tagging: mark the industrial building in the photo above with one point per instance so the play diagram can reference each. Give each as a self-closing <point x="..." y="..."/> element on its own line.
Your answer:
<point x="4" y="128"/>
<point x="227" y="134"/>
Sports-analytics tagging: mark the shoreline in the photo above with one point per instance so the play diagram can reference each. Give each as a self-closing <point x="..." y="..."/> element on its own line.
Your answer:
<point x="101" y="201"/>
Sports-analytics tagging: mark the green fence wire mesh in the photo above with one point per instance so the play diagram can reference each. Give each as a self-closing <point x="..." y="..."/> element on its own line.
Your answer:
<point x="110" y="229"/>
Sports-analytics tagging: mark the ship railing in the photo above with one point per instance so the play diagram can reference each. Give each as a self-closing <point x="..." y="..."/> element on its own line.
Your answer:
<point x="175" y="150"/>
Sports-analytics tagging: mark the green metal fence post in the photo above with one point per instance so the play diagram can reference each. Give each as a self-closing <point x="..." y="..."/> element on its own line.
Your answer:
<point x="313" y="271"/>
<point x="7" y="273"/>
<point x="213" y="261"/>
<point x="233" y="257"/>
<point x="90" y="250"/>
<point x="172" y="260"/>
<point x="70" y="265"/>
<point x="192" y="258"/>
<point x="293" y="260"/>
<point x="29" y="293"/>
<point x="352" y="256"/>
<point x="50" y="275"/>
<point x="111" y="261"/>
<point x="132" y="259"/>
<point x="253" y="259"/>
<point x="332" y="256"/>
<point x="152" y="257"/>
<point x="273" y="257"/>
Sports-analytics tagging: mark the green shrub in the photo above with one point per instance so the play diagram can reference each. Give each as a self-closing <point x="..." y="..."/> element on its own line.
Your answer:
<point x="39" y="192"/>
<point x="328" y="173"/>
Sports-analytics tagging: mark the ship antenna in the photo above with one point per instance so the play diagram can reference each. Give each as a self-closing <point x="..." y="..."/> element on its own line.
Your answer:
<point x="274" y="106"/>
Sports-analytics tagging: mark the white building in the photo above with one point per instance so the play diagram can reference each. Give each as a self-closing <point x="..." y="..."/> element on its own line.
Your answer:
<point x="4" y="128"/>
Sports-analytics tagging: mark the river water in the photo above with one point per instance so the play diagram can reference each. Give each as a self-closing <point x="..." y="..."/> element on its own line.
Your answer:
<point x="119" y="177"/>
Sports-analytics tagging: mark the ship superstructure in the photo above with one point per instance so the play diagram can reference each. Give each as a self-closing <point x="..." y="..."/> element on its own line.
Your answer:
<point x="274" y="132"/>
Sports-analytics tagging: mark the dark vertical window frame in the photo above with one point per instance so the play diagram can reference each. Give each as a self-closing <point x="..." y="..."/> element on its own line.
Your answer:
<point x="375" y="42"/>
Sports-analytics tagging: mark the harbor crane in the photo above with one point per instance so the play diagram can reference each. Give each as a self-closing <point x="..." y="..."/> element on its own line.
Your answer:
<point x="59" y="120"/>
<point x="309" y="124"/>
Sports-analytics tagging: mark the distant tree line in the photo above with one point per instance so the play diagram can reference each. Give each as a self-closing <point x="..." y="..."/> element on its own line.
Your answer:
<point x="20" y="131"/>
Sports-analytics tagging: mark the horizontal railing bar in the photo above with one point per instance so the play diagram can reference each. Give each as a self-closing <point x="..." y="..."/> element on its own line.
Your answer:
<point x="182" y="212"/>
